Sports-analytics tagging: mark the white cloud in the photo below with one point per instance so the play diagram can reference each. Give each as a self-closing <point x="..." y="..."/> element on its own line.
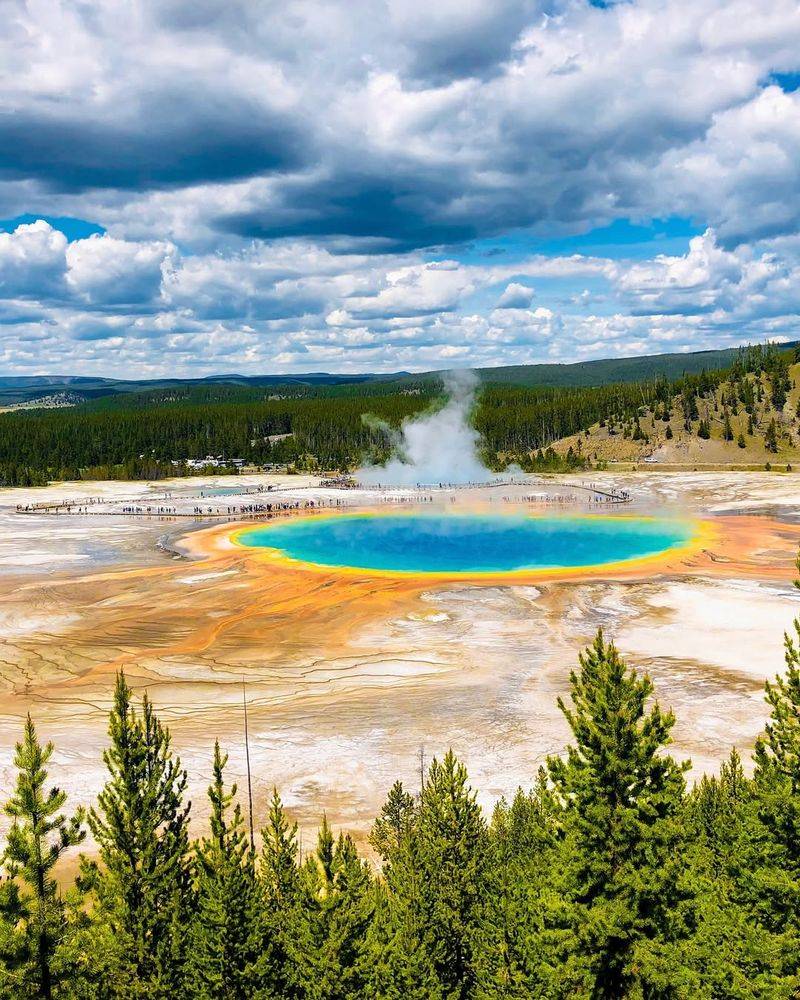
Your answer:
<point x="269" y="177"/>
<point x="731" y="285"/>
<point x="413" y="290"/>
<point x="745" y="171"/>
<point x="406" y="127"/>
<point x="305" y="308"/>
<point x="109" y="271"/>
<point x="31" y="260"/>
<point x="515" y="296"/>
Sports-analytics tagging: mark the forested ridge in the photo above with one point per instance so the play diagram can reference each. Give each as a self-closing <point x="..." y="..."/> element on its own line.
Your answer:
<point x="20" y="388"/>
<point x="141" y="441"/>
<point x="141" y="435"/>
<point x="609" y="879"/>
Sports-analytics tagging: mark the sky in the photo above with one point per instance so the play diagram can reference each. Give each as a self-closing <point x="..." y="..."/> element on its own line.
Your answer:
<point x="207" y="186"/>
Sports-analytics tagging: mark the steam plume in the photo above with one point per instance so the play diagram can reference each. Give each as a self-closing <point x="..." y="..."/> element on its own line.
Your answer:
<point x="436" y="447"/>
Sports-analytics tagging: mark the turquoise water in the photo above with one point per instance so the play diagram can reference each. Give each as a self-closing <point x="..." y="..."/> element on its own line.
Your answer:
<point x="467" y="543"/>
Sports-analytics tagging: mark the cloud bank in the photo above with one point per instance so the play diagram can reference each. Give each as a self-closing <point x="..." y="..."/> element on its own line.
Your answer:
<point x="351" y="186"/>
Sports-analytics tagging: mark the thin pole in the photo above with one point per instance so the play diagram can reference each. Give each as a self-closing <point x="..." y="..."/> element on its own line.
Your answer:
<point x="247" y="757"/>
<point x="421" y="755"/>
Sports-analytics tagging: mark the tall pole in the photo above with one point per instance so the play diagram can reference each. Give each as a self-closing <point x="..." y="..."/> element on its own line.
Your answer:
<point x="421" y="754"/>
<point x="247" y="757"/>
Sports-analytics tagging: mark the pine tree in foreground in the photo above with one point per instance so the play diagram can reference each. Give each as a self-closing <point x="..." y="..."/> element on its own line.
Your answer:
<point x="15" y="951"/>
<point x="607" y="880"/>
<point x="143" y="880"/>
<point x="733" y="952"/>
<point x="777" y="758"/>
<point x="394" y="824"/>
<point x="223" y="940"/>
<point x="437" y="878"/>
<point x="276" y="968"/>
<point x="399" y="963"/>
<point x="622" y="862"/>
<point x="395" y="964"/>
<point x="333" y="918"/>
<point x="524" y="845"/>
<point x="399" y="956"/>
<point x="776" y="881"/>
<point x="39" y="835"/>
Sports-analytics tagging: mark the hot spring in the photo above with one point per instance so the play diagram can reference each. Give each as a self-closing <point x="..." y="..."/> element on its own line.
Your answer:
<point x="467" y="543"/>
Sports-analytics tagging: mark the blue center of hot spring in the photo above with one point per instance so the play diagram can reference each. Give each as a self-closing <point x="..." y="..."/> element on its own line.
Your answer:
<point x="467" y="543"/>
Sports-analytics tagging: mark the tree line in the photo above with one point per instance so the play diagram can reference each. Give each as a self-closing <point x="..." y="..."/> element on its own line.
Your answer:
<point x="141" y="435"/>
<point x="327" y="432"/>
<point x="609" y="879"/>
<point x="63" y="444"/>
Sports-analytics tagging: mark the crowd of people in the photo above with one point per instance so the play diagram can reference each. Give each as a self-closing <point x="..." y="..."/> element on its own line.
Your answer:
<point x="169" y="505"/>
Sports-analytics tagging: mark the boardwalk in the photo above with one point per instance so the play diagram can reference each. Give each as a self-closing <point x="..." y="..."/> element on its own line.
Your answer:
<point x="268" y="500"/>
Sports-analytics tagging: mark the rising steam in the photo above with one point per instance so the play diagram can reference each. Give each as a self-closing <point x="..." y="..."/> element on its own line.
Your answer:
<point x="436" y="447"/>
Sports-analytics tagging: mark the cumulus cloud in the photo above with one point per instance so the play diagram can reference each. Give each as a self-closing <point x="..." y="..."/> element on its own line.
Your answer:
<point x="745" y="172"/>
<point x="292" y="185"/>
<point x="453" y="40"/>
<point x="414" y="291"/>
<point x="741" y="284"/>
<point x="107" y="271"/>
<point x="298" y="306"/>
<point x="515" y="296"/>
<point x="418" y="127"/>
<point x="31" y="260"/>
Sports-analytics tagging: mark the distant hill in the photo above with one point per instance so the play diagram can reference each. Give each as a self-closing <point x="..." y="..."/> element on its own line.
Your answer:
<point x="22" y="388"/>
<point x="604" y="372"/>
<point x="663" y="437"/>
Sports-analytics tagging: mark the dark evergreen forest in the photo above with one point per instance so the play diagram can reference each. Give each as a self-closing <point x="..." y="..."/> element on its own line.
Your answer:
<point x="140" y="435"/>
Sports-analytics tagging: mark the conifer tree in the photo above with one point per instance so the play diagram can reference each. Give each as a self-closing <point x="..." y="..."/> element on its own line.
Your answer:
<point x="395" y="964"/>
<point x="277" y="972"/>
<point x="223" y="941"/>
<point x="771" y="436"/>
<point x="777" y="783"/>
<point x="732" y="951"/>
<point x="279" y="871"/>
<point x="395" y="822"/>
<point x="524" y="841"/>
<point x="727" y="429"/>
<point x="780" y="383"/>
<point x="398" y="959"/>
<point x="436" y="877"/>
<point x="39" y="835"/>
<point x="605" y="881"/>
<point x="453" y="845"/>
<point x="334" y="915"/>
<point x="717" y="811"/>
<point x="140" y="824"/>
<point x="15" y="948"/>
<point x="622" y="797"/>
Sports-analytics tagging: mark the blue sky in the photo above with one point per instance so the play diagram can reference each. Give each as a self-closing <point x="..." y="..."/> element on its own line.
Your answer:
<point x="621" y="239"/>
<point x="73" y="229"/>
<point x="377" y="185"/>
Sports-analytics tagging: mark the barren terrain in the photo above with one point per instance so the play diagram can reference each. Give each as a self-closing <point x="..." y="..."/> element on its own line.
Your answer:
<point x="348" y="678"/>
